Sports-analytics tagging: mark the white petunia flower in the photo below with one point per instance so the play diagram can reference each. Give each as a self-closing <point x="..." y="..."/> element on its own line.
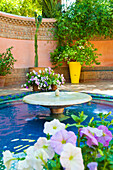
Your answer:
<point x="53" y="127"/>
<point x="24" y="165"/>
<point x="33" y="158"/>
<point x="42" y="155"/>
<point x="71" y="157"/>
<point x="42" y="142"/>
<point x="34" y="162"/>
<point x="30" y="150"/>
<point x="96" y="131"/>
<point x="40" y="71"/>
<point x="46" y="69"/>
<point x="7" y="158"/>
<point x="34" y="71"/>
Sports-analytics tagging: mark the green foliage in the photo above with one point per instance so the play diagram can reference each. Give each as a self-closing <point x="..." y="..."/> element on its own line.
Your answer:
<point x="38" y="21"/>
<point x="81" y="51"/>
<point x="21" y="7"/>
<point x="6" y="62"/>
<point x="101" y="154"/>
<point x="85" y="18"/>
<point x="51" y="8"/>
<point x="82" y="21"/>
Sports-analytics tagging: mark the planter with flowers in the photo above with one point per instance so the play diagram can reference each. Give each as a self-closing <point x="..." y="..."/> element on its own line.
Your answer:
<point x="6" y="64"/>
<point x="80" y="53"/>
<point x="90" y="147"/>
<point x="44" y="80"/>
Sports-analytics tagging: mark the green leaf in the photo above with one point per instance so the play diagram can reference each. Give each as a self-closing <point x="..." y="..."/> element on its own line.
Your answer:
<point x="75" y="118"/>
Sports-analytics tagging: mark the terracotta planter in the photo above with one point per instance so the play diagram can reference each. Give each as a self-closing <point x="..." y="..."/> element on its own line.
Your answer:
<point x="54" y="87"/>
<point x="35" y="88"/>
<point x="2" y="81"/>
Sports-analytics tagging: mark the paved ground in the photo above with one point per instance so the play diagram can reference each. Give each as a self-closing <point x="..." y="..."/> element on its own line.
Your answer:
<point x="103" y="87"/>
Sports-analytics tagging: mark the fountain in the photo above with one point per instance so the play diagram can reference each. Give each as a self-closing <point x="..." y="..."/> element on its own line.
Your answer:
<point x="57" y="101"/>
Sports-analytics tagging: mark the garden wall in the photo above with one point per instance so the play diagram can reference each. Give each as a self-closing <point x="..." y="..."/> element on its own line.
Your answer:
<point x="18" y="31"/>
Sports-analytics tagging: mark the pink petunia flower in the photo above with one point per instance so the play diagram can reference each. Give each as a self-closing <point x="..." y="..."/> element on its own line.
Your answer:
<point x="89" y="134"/>
<point x="106" y="136"/>
<point x="60" y="138"/>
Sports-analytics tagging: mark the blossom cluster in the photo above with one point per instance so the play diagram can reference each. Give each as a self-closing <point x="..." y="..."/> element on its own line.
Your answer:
<point x="44" y="79"/>
<point x="60" y="149"/>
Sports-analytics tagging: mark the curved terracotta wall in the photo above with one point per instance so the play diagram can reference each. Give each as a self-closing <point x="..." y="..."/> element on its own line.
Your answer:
<point x="19" y="32"/>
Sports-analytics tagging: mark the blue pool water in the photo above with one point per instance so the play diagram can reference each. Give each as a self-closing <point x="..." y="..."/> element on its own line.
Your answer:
<point x="20" y="128"/>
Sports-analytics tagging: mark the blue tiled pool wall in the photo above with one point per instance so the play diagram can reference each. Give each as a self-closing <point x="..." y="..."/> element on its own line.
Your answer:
<point x="21" y="95"/>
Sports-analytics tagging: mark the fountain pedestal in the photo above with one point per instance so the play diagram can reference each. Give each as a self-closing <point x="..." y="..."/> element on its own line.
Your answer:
<point x="57" y="111"/>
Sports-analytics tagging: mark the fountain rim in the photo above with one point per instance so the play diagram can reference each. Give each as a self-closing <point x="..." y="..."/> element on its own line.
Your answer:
<point x="51" y="105"/>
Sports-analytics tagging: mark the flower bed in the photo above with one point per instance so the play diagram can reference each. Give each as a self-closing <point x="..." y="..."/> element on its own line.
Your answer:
<point x="90" y="149"/>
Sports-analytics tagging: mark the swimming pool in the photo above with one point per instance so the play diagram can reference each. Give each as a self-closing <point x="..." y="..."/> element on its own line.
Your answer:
<point x="20" y="128"/>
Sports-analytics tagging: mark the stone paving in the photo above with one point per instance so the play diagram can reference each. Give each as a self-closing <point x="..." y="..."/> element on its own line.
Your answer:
<point x="103" y="87"/>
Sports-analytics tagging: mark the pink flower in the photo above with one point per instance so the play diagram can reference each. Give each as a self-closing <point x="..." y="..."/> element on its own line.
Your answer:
<point x="106" y="136"/>
<point x="91" y="139"/>
<point x="60" y="138"/>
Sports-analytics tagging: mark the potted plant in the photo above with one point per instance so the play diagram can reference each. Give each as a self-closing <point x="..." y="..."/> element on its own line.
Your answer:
<point x="44" y="80"/>
<point x="79" y="53"/>
<point x="6" y="64"/>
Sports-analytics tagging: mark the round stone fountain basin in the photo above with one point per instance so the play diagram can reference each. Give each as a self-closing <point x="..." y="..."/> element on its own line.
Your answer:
<point x="57" y="103"/>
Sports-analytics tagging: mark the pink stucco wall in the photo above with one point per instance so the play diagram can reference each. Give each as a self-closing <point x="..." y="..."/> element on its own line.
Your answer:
<point x="24" y="51"/>
<point x="106" y="49"/>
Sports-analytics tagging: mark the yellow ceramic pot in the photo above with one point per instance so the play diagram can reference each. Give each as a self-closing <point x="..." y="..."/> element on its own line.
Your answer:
<point x="75" y="70"/>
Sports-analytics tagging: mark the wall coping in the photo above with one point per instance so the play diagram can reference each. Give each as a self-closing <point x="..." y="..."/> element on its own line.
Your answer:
<point x="8" y="15"/>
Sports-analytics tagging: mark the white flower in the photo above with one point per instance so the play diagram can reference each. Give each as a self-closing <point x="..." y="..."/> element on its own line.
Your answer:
<point x="25" y="85"/>
<point x="22" y="85"/>
<point x="24" y="165"/>
<point x="42" y="142"/>
<point x="96" y="131"/>
<point x="41" y="154"/>
<point x="53" y="127"/>
<point x="7" y="158"/>
<point x="40" y="71"/>
<point x="46" y="69"/>
<point x="71" y="157"/>
<point x="44" y="85"/>
<point x="34" y="162"/>
<point x="33" y="159"/>
<point x="30" y="150"/>
<point x="34" y="71"/>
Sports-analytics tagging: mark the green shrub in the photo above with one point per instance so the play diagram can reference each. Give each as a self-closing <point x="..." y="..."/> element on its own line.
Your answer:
<point x="82" y="21"/>
<point x="85" y="18"/>
<point x="6" y="62"/>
